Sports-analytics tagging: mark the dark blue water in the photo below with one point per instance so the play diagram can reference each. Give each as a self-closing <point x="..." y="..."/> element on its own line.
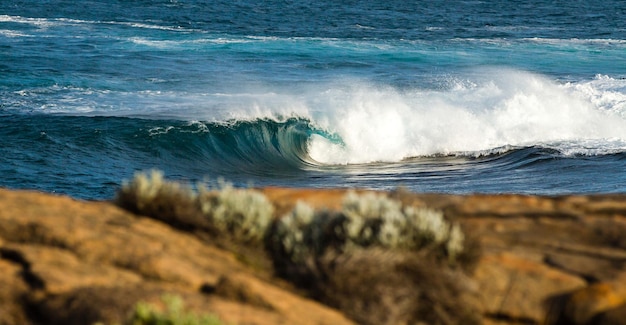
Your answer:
<point x="436" y="96"/>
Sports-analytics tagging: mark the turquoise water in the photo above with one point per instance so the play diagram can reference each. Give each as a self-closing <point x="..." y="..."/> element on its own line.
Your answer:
<point x="438" y="96"/>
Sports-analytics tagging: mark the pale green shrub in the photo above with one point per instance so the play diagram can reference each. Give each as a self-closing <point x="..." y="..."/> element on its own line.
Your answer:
<point x="361" y="259"/>
<point x="366" y="212"/>
<point x="365" y="220"/>
<point x="375" y="219"/>
<point x="244" y="213"/>
<point x="454" y="246"/>
<point x="294" y="232"/>
<point x="145" y="189"/>
<point x="377" y="261"/>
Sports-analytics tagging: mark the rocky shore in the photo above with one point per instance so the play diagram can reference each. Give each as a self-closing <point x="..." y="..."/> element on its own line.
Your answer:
<point x="535" y="260"/>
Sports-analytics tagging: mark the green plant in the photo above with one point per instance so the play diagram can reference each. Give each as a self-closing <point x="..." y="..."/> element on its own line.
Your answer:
<point x="151" y="195"/>
<point x="377" y="260"/>
<point x="174" y="314"/>
<point x="244" y="214"/>
<point x="365" y="220"/>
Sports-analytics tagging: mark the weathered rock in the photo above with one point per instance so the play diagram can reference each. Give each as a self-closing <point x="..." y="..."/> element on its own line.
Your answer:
<point x="590" y="268"/>
<point x="535" y="250"/>
<point x="89" y="305"/>
<point x="64" y="261"/>
<point x="598" y="303"/>
<point x="553" y="260"/>
<point x="517" y="288"/>
<point x="12" y="288"/>
<point x="614" y="316"/>
<point x="582" y="305"/>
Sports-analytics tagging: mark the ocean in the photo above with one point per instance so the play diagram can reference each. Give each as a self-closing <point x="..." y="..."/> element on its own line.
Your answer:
<point x="435" y="96"/>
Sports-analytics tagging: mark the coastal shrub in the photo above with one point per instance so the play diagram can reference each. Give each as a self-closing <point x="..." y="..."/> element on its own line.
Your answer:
<point x="376" y="219"/>
<point x="174" y="314"/>
<point x="365" y="220"/>
<point x="151" y="195"/>
<point x="376" y="260"/>
<point x="244" y="214"/>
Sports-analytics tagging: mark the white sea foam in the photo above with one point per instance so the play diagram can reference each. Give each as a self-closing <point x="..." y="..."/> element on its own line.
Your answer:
<point x="476" y="112"/>
<point x="45" y="23"/>
<point x="604" y="93"/>
<point x="38" y="22"/>
<point x="505" y="108"/>
<point x="582" y="41"/>
<point x="12" y="33"/>
<point x="161" y="44"/>
<point x="492" y="109"/>
<point x="150" y="26"/>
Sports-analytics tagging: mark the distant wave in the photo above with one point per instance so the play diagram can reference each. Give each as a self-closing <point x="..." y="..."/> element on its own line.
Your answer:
<point x="60" y="22"/>
<point x="499" y="108"/>
<point x="355" y="122"/>
<point x="275" y="146"/>
<point x="260" y="146"/>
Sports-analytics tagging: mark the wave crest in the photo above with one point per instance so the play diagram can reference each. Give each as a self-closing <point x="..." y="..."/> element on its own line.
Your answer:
<point x="500" y="108"/>
<point x="258" y="146"/>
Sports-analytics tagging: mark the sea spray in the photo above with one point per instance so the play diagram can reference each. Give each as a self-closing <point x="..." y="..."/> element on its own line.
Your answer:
<point x="505" y="108"/>
<point x="436" y="98"/>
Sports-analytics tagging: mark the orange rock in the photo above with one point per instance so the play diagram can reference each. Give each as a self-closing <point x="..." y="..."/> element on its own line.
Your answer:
<point x="11" y="286"/>
<point x="614" y="316"/>
<point x="77" y="262"/>
<point x="517" y="288"/>
<point x="285" y="199"/>
<point x="590" y="301"/>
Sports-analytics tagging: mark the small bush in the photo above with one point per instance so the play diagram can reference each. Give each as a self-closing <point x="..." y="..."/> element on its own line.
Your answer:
<point x="365" y="220"/>
<point x="377" y="261"/>
<point x="244" y="214"/>
<point x="376" y="219"/>
<point x="146" y="188"/>
<point x="149" y="194"/>
<point x="174" y="314"/>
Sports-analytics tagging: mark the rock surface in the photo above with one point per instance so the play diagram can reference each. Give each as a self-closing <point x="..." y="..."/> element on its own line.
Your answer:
<point x="543" y="260"/>
<point x="69" y="262"/>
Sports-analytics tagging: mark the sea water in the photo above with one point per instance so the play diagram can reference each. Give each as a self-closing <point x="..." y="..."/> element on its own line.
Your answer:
<point x="434" y="96"/>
